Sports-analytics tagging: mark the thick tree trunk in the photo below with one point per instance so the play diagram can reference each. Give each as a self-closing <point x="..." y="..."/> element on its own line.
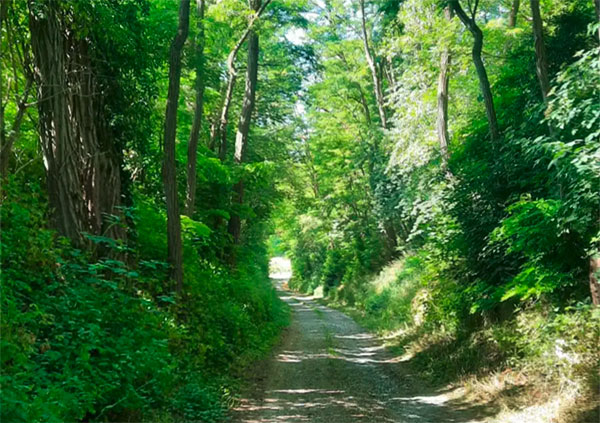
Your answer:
<point x="82" y="164"/>
<point x="484" y="83"/>
<point x="442" y="100"/>
<point x="377" y="85"/>
<point x="541" y="63"/>
<point x="175" y="254"/>
<point x="514" y="11"/>
<point x="198" y="111"/>
<point x="241" y="138"/>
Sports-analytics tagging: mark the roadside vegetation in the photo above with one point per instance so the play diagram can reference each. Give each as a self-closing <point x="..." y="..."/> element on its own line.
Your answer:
<point x="464" y="230"/>
<point x="110" y="309"/>
<point x="430" y="165"/>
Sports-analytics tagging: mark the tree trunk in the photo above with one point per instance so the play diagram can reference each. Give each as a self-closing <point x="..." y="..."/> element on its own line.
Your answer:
<point x="377" y="86"/>
<point x="7" y="140"/>
<point x="514" y="10"/>
<point x="597" y="6"/>
<point x="442" y="100"/>
<point x="388" y="72"/>
<point x="365" y="105"/>
<point x="81" y="161"/>
<point x="198" y="111"/>
<point x="541" y="63"/>
<point x="175" y="254"/>
<point x="214" y="121"/>
<point x="221" y="130"/>
<point x="484" y="83"/>
<point x="241" y="138"/>
<point x="594" y="285"/>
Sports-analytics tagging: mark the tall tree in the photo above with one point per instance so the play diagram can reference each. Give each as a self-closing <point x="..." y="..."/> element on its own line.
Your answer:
<point x="192" y="156"/>
<point x="541" y="63"/>
<point x="484" y="83"/>
<point x="80" y="156"/>
<point x="220" y="132"/>
<point x="514" y="11"/>
<point x="377" y="84"/>
<point x="241" y="138"/>
<point x="175" y="253"/>
<point x="442" y="99"/>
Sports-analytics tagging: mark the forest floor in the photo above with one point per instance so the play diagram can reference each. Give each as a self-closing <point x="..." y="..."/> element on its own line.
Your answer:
<point x="328" y="369"/>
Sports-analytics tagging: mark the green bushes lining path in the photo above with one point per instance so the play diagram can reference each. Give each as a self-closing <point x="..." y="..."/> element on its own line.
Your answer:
<point x="453" y="145"/>
<point x="98" y="339"/>
<point x="478" y="254"/>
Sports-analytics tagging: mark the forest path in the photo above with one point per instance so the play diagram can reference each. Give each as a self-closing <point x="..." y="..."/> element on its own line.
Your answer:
<point x="328" y="369"/>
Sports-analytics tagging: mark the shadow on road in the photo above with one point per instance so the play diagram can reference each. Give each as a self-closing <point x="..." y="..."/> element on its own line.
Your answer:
<point x="328" y="369"/>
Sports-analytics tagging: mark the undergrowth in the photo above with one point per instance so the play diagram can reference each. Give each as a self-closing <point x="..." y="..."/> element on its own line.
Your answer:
<point x="540" y="357"/>
<point x="99" y="338"/>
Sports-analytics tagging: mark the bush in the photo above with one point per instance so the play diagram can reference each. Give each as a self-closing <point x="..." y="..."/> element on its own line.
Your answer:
<point x="87" y="337"/>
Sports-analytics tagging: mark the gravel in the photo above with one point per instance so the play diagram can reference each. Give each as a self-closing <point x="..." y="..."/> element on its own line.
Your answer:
<point x="329" y="369"/>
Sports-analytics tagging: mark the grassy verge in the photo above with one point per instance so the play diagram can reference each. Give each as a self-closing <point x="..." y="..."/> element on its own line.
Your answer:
<point x="540" y="364"/>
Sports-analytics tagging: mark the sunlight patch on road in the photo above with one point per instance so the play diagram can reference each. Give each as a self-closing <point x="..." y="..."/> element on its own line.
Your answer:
<point x="432" y="400"/>
<point x="356" y="336"/>
<point x="356" y="357"/>
<point x="307" y="391"/>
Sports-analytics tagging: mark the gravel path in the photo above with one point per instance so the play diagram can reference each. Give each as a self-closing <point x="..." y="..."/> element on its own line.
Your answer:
<point x="328" y="369"/>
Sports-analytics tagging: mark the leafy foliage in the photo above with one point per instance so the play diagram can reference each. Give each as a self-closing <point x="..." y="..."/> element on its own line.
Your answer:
<point x="367" y="214"/>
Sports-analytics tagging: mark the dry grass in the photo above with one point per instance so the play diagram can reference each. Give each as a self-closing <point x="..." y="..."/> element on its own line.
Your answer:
<point x="559" y="384"/>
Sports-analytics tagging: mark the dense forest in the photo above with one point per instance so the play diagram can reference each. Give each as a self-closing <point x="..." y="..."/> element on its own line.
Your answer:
<point x="431" y="167"/>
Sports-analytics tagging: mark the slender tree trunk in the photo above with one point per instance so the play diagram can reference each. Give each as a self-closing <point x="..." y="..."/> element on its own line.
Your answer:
<point x="541" y="63"/>
<point x="597" y="6"/>
<point x="80" y="157"/>
<point x="241" y="138"/>
<point x="594" y="284"/>
<point x="377" y="86"/>
<point x="4" y="11"/>
<point x="7" y="140"/>
<point x="3" y="64"/>
<point x="198" y="111"/>
<point x="484" y="83"/>
<point x="175" y="254"/>
<point x="514" y="11"/>
<point x="221" y="132"/>
<point x="388" y="72"/>
<point x="442" y="100"/>
<point x="595" y="260"/>
<point x="16" y="53"/>
<point x="365" y="105"/>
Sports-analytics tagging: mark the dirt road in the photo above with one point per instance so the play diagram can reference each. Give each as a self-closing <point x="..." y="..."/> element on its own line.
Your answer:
<point x="328" y="369"/>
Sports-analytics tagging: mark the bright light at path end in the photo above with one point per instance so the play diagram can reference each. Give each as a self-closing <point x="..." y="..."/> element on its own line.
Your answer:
<point x="280" y="268"/>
